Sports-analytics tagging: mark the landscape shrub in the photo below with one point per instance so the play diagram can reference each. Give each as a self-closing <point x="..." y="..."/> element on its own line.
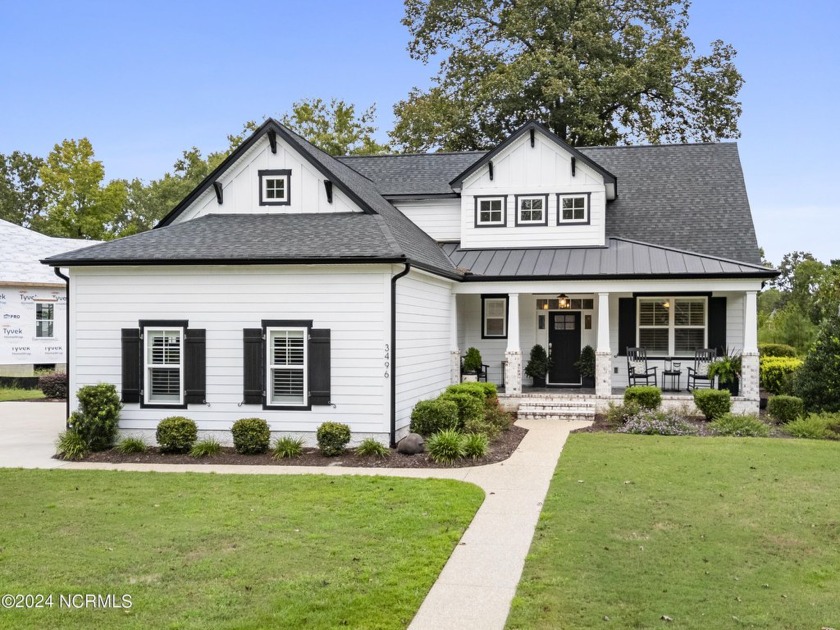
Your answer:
<point x="432" y="416"/>
<point x="713" y="403"/>
<point x="53" y="385"/>
<point x="372" y="448"/>
<point x="775" y="373"/>
<point x="446" y="447"/>
<point x="785" y="408"/>
<point x="287" y="447"/>
<point x="776" y="350"/>
<point x="470" y="408"/>
<point x="130" y="445"/>
<point x="815" y="426"/>
<point x="739" y="425"/>
<point x="98" y="415"/>
<point x="205" y="448"/>
<point x="816" y="382"/>
<point x="332" y="437"/>
<point x="646" y="396"/>
<point x="480" y="426"/>
<point x="649" y="422"/>
<point x="70" y="445"/>
<point x="251" y="436"/>
<point x="475" y="445"/>
<point x="176" y="434"/>
<point x="479" y="390"/>
<point x="496" y="416"/>
<point x="616" y="415"/>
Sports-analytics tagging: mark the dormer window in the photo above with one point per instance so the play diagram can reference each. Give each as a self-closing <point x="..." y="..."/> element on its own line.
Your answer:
<point x="491" y="211"/>
<point x="274" y="187"/>
<point x="573" y="208"/>
<point x="531" y="209"/>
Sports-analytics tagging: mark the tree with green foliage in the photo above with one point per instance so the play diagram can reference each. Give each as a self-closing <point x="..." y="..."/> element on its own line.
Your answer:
<point x="334" y="127"/>
<point x="817" y="382"/>
<point x="594" y="72"/>
<point x="77" y="204"/>
<point x="21" y="200"/>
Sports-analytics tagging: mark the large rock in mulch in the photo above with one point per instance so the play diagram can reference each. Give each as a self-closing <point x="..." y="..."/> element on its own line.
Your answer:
<point x="411" y="444"/>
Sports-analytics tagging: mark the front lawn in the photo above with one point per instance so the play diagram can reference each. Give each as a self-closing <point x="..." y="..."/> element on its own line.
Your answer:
<point x="214" y="551"/>
<point x="16" y="393"/>
<point x="707" y="532"/>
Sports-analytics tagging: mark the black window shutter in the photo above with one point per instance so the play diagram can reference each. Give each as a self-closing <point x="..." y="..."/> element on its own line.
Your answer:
<point x="253" y="366"/>
<point x="132" y="365"/>
<point x="319" y="366"/>
<point x="717" y="324"/>
<point x="195" y="367"/>
<point x="626" y="325"/>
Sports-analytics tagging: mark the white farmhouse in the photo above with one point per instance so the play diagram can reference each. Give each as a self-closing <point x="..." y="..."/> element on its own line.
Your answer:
<point x="302" y="288"/>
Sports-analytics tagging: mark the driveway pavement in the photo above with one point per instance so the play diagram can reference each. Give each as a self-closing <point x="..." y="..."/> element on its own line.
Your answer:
<point x="477" y="585"/>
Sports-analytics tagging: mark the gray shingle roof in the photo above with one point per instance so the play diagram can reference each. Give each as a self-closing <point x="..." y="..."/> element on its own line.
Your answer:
<point x="412" y="173"/>
<point x="620" y="259"/>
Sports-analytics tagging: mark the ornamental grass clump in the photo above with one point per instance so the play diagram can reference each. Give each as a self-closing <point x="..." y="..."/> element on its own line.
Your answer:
<point x="648" y="422"/>
<point x="739" y="425"/>
<point x="816" y="426"/>
<point x="70" y="445"/>
<point x="446" y="447"/>
<point x="371" y="448"/>
<point x="251" y="436"/>
<point x="475" y="445"/>
<point x="131" y="445"/>
<point x="205" y="448"/>
<point x="333" y="437"/>
<point x="287" y="447"/>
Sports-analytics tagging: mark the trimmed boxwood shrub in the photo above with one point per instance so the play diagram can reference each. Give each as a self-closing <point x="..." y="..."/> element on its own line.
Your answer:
<point x="176" y="434"/>
<point x="251" y="436"/>
<point x="99" y="412"/>
<point x="785" y="408"/>
<point x="479" y="390"/>
<point x="432" y="416"/>
<point x="333" y="437"/>
<point x="776" y="350"/>
<point x="713" y="403"/>
<point x="776" y="373"/>
<point x="470" y="408"/>
<point x="646" y="396"/>
<point x="53" y="385"/>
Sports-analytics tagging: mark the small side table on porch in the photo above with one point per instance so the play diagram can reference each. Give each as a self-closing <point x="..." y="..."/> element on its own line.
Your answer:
<point x="671" y="380"/>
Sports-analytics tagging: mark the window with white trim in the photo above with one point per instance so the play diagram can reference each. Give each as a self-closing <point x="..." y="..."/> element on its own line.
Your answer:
<point x="672" y="326"/>
<point x="573" y="209"/>
<point x="164" y="365"/>
<point x="494" y="311"/>
<point x="274" y="187"/>
<point x="44" y="320"/>
<point x="287" y="374"/>
<point x="490" y="211"/>
<point x="530" y="210"/>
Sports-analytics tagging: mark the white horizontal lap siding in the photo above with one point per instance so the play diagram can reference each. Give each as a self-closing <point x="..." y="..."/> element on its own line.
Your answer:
<point x="539" y="170"/>
<point x="241" y="186"/>
<point x="422" y="354"/>
<point x="350" y="301"/>
<point x="440" y="219"/>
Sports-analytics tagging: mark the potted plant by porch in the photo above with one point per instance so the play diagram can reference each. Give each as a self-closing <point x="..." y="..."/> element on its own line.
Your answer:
<point x="728" y="372"/>
<point x="472" y="365"/>
<point x="538" y="365"/>
<point x="586" y="366"/>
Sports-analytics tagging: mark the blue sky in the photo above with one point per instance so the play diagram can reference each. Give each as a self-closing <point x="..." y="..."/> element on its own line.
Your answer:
<point x="143" y="81"/>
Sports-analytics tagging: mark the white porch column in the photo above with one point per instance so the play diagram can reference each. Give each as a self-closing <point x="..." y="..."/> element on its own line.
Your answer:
<point x="603" y="353"/>
<point x="454" y="351"/>
<point x="749" y="358"/>
<point x="513" y="354"/>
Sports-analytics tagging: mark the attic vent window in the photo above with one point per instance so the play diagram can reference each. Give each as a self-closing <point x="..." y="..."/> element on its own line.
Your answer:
<point x="274" y="187"/>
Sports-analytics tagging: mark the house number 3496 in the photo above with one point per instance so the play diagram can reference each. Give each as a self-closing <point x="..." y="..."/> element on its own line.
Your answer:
<point x="387" y="360"/>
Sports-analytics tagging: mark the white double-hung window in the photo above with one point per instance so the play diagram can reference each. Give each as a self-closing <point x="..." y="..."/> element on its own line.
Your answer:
<point x="672" y="326"/>
<point x="164" y="366"/>
<point x="286" y="363"/>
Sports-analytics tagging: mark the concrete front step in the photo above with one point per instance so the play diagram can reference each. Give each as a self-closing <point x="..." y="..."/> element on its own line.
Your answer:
<point x="556" y="410"/>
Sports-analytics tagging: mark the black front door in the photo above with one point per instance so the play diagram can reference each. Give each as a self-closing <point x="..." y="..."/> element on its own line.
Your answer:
<point x="564" y="348"/>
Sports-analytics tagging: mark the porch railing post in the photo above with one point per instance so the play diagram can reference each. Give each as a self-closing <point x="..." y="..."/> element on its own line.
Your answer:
<point x="513" y="354"/>
<point x="603" y="353"/>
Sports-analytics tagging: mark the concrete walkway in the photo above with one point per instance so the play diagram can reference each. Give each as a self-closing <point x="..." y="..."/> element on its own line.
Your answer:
<point x="477" y="585"/>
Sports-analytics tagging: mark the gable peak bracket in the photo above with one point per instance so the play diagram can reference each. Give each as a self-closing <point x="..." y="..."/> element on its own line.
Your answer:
<point x="272" y="140"/>
<point x="574" y="164"/>
<point x="217" y="186"/>
<point x="532" y="138"/>
<point x="490" y="167"/>
<point x="328" y="190"/>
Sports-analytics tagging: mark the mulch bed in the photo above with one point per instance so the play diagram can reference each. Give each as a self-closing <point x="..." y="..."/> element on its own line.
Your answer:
<point x="499" y="451"/>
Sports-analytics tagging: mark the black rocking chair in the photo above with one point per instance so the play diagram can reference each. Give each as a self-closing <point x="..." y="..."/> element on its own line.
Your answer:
<point x="637" y="367"/>
<point x="699" y="374"/>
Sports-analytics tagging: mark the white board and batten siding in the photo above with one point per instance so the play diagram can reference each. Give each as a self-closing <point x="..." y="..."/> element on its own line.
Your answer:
<point x="439" y="218"/>
<point x="241" y="186"/>
<point x="350" y="301"/>
<point x="423" y="342"/>
<point x="544" y="169"/>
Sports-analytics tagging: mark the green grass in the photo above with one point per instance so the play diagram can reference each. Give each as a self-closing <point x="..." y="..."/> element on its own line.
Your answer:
<point x="16" y="393"/>
<point x="237" y="551"/>
<point x="714" y="533"/>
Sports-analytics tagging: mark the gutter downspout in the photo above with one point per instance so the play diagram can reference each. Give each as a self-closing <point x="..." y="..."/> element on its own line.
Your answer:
<point x="394" y="352"/>
<point x="66" y="343"/>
